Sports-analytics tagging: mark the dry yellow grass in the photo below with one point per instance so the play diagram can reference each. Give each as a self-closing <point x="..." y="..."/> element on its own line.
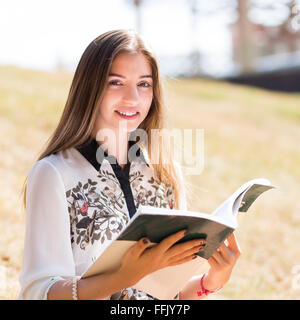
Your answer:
<point x="248" y="133"/>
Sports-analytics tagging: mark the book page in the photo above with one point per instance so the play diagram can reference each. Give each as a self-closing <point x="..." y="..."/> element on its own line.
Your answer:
<point x="165" y="283"/>
<point x="242" y="199"/>
<point x="251" y="195"/>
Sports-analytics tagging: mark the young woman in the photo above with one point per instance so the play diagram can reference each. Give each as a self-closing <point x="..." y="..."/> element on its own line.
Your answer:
<point x="87" y="184"/>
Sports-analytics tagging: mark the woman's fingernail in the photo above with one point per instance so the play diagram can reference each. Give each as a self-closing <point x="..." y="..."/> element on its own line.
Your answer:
<point x="194" y="257"/>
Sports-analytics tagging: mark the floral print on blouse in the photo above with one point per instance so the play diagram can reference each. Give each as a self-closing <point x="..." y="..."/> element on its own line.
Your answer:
<point x="74" y="206"/>
<point x="98" y="209"/>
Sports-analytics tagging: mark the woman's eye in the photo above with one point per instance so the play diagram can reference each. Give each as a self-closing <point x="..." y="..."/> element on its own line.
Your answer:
<point x="145" y="84"/>
<point x="114" y="82"/>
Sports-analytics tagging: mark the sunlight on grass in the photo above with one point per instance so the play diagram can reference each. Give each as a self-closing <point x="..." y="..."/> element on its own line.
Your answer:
<point x="248" y="133"/>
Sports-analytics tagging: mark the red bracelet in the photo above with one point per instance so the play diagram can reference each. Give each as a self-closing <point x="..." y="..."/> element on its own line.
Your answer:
<point x="203" y="290"/>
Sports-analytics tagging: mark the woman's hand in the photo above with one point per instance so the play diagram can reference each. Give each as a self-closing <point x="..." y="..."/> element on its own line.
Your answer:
<point x="221" y="264"/>
<point x="141" y="260"/>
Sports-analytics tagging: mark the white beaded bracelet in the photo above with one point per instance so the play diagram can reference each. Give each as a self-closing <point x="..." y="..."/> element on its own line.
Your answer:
<point x="74" y="288"/>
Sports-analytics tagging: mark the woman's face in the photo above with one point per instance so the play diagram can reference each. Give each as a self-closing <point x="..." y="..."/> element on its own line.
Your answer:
<point x="129" y="93"/>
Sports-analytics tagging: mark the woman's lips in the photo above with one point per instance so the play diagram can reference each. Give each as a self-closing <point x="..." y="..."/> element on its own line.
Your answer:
<point x="127" y="117"/>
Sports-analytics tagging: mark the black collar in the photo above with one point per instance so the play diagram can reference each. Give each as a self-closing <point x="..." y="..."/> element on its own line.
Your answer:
<point x="89" y="150"/>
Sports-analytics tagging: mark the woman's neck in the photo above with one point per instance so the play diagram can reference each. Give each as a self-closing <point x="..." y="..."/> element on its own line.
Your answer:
<point x="117" y="147"/>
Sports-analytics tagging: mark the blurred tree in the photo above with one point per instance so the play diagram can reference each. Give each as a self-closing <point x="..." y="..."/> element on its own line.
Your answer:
<point x="280" y="26"/>
<point x="265" y="27"/>
<point x="287" y="33"/>
<point x="258" y="27"/>
<point x="245" y="51"/>
<point x="203" y="9"/>
<point x="137" y="6"/>
<point x="195" y="55"/>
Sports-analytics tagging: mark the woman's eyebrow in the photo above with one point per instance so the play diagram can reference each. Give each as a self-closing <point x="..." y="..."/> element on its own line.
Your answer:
<point x="120" y="76"/>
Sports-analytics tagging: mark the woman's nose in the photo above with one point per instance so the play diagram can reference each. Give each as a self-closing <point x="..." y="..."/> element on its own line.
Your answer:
<point x="131" y="95"/>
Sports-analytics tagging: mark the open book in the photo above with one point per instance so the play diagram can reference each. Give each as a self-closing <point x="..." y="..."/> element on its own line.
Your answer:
<point x="158" y="223"/>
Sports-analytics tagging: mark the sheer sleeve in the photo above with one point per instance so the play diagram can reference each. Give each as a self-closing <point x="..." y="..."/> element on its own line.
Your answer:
<point x="47" y="247"/>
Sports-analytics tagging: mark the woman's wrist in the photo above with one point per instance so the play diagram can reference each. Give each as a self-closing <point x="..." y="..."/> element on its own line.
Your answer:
<point x="75" y="288"/>
<point x="203" y="290"/>
<point x="100" y="287"/>
<point x="121" y="279"/>
<point x="210" y="283"/>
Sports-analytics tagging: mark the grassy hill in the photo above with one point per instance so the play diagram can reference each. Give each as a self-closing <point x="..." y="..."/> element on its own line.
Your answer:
<point x="248" y="133"/>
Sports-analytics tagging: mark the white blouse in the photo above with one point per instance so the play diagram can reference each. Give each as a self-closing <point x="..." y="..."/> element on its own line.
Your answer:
<point x="74" y="204"/>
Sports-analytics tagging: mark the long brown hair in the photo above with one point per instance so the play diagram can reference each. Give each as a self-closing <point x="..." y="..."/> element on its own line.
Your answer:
<point x="87" y="89"/>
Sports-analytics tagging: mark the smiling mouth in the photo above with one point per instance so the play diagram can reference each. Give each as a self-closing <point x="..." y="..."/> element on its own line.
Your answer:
<point x="127" y="115"/>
